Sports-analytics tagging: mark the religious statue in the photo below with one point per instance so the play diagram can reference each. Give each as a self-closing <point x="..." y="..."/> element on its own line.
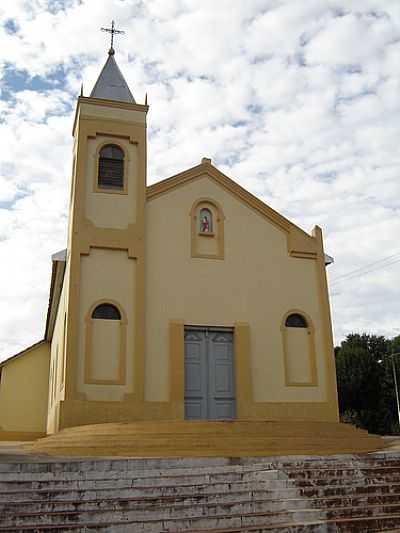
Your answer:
<point x="205" y="224"/>
<point x="205" y="221"/>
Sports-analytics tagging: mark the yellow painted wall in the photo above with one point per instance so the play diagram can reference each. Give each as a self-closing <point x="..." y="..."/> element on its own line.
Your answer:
<point x="257" y="282"/>
<point x="24" y="391"/>
<point x="106" y="275"/>
<point x="57" y="358"/>
<point x="298" y="355"/>
<point x="72" y="193"/>
<point x="105" y="345"/>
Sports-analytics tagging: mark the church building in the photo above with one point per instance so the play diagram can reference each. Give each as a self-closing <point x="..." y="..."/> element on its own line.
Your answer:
<point x="189" y="299"/>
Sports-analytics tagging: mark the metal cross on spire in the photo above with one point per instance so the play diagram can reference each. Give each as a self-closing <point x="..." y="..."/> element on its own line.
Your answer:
<point x="113" y="32"/>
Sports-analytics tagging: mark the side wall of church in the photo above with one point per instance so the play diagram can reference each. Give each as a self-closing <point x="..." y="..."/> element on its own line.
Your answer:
<point x="256" y="283"/>
<point x="58" y="358"/>
<point x="24" y="391"/>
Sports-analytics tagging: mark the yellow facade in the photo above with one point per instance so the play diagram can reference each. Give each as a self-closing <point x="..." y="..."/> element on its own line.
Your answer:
<point x="142" y="250"/>
<point x="24" y="387"/>
<point x="257" y="282"/>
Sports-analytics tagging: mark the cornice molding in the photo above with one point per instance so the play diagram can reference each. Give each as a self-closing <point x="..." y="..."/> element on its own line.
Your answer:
<point x="113" y="103"/>
<point x="106" y="103"/>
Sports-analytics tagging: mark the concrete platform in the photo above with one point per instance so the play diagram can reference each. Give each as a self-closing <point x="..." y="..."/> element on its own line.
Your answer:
<point x="239" y="438"/>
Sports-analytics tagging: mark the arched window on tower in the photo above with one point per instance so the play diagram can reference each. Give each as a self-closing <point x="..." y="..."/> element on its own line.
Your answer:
<point x="106" y="312"/>
<point x="111" y="167"/>
<point x="105" y="344"/>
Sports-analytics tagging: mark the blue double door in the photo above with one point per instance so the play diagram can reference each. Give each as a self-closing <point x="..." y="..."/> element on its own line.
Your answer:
<point x="209" y="374"/>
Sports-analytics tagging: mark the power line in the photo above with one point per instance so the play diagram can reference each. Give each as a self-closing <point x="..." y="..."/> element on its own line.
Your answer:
<point x="367" y="266"/>
<point x="376" y="268"/>
<point x="361" y="274"/>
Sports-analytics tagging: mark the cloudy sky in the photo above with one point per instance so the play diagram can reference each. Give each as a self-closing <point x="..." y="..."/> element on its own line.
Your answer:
<point x="299" y="101"/>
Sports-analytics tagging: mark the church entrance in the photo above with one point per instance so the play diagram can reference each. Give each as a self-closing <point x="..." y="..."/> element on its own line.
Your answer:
<point x="209" y="374"/>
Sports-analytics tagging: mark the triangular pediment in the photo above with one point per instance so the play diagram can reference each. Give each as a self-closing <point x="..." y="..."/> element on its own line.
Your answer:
<point x="300" y="243"/>
<point x="221" y="179"/>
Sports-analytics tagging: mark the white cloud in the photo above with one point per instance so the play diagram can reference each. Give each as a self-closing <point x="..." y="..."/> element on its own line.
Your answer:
<point x="351" y="39"/>
<point x="298" y="101"/>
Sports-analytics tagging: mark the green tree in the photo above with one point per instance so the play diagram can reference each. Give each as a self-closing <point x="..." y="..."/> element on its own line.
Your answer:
<point x="365" y="383"/>
<point x="395" y="344"/>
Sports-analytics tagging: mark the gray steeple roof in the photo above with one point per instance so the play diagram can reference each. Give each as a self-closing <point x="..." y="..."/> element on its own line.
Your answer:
<point x="111" y="84"/>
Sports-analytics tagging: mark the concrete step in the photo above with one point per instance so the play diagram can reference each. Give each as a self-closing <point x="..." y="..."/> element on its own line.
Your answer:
<point x="138" y="503"/>
<point x="346" y="519"/>
<point x="97" y="471"/>
<point x="175" y="473"/>
<point x="152" y="464"/>
<point x="356" y="481"/>
<point x="204" y="437"/>
<point x="169" y="440"/>
<point x="261" y="450"/>
<point x="151" y="523"/>
<point x="169" y="493"/>
<point x="198" y="501"/>
<point x="158" y="478"/>
<point x="363" y="525"/>
<point x="339" y="490"/>
<point x="148" y="465"/>
<point x="352" y="525"/>
<point x="117" y="463"/>
<point x="204" y="448"/>
<point x="127" y="492"/>
<point x="144" y="513"/>
<point x="309" y="477"/>
<point x="363" y="511"/>
<point x="334" y="461"/>
<point x="186" y="438"/>
<point x="349" y="471"/>
<point x="201" y="427"/>
<point x="228" y="430"/>
<point x="137" y="490"/>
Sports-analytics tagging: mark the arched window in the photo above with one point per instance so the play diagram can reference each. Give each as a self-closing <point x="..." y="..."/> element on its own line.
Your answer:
<point x="111" y="167"/>
<point x="206" y="221"/>
<point x="300" y="361"/>
<point x="105" y="344"/>
<point x="295" y="320"/>
<point x="107" y="312"/>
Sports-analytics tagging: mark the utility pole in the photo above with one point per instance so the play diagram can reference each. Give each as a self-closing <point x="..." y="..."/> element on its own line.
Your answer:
<point x="395" y="383"/>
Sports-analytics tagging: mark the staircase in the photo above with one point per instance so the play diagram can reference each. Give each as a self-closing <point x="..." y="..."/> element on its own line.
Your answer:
<point x="219" y="495"/>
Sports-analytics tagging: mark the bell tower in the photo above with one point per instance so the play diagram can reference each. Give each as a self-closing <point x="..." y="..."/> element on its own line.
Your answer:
<point x="104" y="277"/>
